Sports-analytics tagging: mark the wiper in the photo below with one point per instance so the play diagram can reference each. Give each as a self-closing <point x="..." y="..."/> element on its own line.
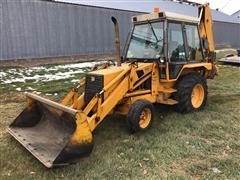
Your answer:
<point x="150" y="25"/>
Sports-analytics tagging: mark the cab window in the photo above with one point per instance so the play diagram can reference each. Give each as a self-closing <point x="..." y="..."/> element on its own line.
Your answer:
<point x="146" y="41"/>
<point x="176" y="49"/>
<point x="193" y="43"/>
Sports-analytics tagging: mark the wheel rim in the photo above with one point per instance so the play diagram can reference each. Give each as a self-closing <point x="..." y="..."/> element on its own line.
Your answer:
<point x="145" y="118"/>
<point x="197" y="95"/>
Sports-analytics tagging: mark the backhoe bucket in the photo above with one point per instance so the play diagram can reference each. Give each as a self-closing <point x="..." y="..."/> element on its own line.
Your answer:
<point x="45" y="129"/>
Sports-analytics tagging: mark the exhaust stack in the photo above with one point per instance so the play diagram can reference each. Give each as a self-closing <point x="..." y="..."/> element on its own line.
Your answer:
<point x="117" y="41"/>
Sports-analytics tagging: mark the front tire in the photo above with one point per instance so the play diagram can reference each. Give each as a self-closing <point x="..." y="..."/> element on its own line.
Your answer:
<point x="191" y="93"/>
<point x="140" y="116"/>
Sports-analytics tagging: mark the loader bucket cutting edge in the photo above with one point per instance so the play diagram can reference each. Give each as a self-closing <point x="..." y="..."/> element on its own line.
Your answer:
<point x="45" y="129"/>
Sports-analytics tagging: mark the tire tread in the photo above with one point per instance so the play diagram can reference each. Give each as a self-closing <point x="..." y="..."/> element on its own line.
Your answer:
<point x="184" y="91"/>
<point x="134" y="114"/>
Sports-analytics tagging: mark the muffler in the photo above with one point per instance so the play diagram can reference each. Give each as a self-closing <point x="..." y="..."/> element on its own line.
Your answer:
<point x="55" y="134"/>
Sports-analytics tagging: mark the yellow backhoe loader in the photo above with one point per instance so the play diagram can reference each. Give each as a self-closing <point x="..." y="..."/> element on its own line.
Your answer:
<point x="166" y="60"/>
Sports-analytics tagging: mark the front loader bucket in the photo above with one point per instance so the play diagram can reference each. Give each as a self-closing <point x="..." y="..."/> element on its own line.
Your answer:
<point x="45" y="129"/>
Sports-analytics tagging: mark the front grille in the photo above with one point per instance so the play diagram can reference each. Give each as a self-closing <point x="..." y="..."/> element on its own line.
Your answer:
<point x="94" y="84"/>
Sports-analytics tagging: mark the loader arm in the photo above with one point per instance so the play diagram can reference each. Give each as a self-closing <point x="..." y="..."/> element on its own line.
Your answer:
<point x="123" y="84"/>
<point x="103" y="108"/>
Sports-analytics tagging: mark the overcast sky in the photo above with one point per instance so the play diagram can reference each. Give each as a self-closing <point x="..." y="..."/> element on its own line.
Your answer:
<point x="226" y="6"/>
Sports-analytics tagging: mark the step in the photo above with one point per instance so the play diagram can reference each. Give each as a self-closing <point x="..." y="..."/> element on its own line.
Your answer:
<point x="168" y="101"/>
<point x="167" y="90"/>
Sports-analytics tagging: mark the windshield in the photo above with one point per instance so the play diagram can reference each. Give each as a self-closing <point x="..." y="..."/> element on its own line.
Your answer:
<point x="146" y="41"/>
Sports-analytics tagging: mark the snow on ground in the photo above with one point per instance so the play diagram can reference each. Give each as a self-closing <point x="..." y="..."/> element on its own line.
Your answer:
<point x="75" y="80"/>
<point x="18" y="89"/>
<point x="43" y="78"/>
<point x="223" y="50"/>
<point x="3" y="74"/>
<point x="21" y="79"/>
<point x="66" y="66"/>
<point x="45" y="73"/>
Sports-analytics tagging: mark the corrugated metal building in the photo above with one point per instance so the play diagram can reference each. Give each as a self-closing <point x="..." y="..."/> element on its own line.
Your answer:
<point x="38" y="29"/>
<point x="226" y="28"/>
<point x="237" y="15"/>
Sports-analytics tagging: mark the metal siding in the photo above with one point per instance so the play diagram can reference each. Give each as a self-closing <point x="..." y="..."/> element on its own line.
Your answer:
<point x="227" y="33"/>
<point x="13" y="20"/>
<point x="61" y="28"/>
<point x="1" y="32"/>
<point x="5" y="33"/>
<point x="38" y="29"/>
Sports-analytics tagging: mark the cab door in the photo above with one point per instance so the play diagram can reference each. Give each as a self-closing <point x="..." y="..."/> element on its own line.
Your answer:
<point x="183" y="46"/>
<point x="177" y="54"/>
<point x="193" y="43"/>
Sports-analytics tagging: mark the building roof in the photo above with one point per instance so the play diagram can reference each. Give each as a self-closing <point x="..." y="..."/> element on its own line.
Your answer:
<point x="237" y="13"/>
<point x="148" y="6"/>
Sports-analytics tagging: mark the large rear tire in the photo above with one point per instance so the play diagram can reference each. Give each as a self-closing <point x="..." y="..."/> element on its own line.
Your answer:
<point x="140" y="115"/>
<point x="191" y="93"/>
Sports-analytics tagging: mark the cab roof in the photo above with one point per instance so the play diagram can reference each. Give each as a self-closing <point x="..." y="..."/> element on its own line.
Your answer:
<point x="165" y="15"/>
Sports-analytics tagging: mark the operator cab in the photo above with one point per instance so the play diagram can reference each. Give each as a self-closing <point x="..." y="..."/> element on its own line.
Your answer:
<point x="170" y="39"/>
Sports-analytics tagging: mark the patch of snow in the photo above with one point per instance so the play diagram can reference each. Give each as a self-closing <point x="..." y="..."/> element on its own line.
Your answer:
<point x="19" y="89"/>
<point x="55" y="94"/>
<point x="78" y="65"/>
<point x="75" y="80"/>
<point x="3" y="74"/>
<point x="38" y="68"/>
<point x="66" y="66"/>
<point x="48" y="94"/>
<point x="30" y="88"/>
<point x="222" y="50"/>
<point x="36" y="92"/>
<point x="21" y="75"/>
<point x="216" y="170"/>
<point x="9" y="81"/>
<point x="12" y="70"/>
<point x="44" y="78"/>
<point x="32" y="172"/>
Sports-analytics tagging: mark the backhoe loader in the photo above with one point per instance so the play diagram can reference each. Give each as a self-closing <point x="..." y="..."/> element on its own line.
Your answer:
<point x="166" y="60"/>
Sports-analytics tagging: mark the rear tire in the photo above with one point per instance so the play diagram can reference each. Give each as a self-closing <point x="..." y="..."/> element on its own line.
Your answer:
<point x="191" y="93"/>
<point x="140" y="116"/>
